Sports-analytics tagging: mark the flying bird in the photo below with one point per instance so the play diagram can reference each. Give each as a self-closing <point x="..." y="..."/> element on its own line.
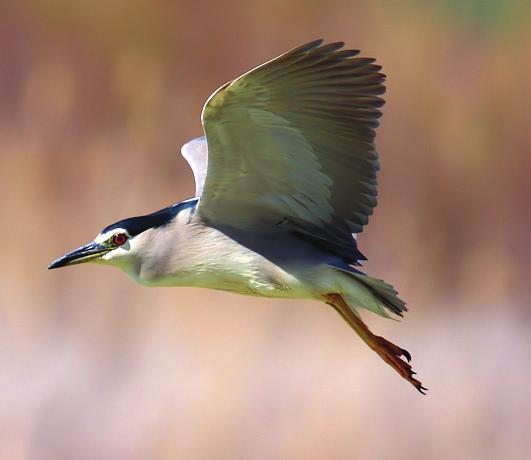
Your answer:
<point x="285" y="179"/>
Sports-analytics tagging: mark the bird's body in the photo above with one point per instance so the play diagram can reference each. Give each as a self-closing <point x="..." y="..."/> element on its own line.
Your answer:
<point x="228" y="259"/>
<point x="285" y="178"/>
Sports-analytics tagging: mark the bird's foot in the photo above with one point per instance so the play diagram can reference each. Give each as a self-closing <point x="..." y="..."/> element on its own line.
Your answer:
<point x="388" y="351"/>
<point x="394" y="356"/>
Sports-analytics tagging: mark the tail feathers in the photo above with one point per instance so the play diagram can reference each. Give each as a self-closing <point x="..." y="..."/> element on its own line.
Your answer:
<point x="385" y="295"/>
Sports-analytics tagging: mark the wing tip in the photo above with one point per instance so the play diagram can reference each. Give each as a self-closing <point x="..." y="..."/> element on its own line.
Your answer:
<point x="317" y="44"/>
<point x="320" y="47"/>
<point x="306" y="47"/>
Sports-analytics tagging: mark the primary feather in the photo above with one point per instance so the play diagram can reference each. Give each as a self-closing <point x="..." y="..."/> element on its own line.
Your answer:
<point x="291" y="146"/>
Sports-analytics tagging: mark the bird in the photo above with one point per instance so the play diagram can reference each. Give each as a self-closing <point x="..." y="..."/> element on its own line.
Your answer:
<point x="286" y="178"/>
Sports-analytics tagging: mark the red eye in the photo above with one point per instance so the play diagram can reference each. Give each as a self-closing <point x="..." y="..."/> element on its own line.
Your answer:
<point x="119" y="239"/>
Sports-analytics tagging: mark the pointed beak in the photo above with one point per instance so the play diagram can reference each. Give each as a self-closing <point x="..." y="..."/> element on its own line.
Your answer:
<point x="80" y="255"/>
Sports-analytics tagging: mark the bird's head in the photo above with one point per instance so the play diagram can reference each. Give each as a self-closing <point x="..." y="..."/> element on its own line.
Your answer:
<point x="108" y="247"/>
<point x="125" y="242"/>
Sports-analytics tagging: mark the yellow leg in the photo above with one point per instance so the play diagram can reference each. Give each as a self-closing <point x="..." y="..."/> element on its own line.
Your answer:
<point x="388" y="351"/>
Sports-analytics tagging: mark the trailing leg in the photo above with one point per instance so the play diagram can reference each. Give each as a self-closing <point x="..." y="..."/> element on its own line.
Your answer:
<point x="388" y="351"/>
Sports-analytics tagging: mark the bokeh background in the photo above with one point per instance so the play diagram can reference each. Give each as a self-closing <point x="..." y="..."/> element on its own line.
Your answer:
<point x="96" y="99"/>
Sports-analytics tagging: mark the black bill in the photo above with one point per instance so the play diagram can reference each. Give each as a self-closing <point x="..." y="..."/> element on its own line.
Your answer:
<point x="80" y="255"/>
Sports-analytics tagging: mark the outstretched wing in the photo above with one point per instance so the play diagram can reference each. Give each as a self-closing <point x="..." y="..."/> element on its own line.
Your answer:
<point x="291" y="143"/>
<point x="195" y="152"/>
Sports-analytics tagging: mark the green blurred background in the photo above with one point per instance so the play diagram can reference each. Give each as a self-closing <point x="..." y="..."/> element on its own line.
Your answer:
<point x="96" y="99"/>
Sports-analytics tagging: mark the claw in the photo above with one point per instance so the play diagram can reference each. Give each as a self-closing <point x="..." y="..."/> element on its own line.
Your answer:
<point x="387" y="350"/>
<point x="392" y="354"/>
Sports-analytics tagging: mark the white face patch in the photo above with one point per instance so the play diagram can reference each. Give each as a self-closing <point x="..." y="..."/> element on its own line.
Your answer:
<point x="118" y="252"/>
<point x="132" y="252"/>
<point x="127" y="257"/>
<point x="103" y="237"/>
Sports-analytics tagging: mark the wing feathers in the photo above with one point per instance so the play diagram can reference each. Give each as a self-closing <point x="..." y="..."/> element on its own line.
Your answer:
<point x="292" y="142"/>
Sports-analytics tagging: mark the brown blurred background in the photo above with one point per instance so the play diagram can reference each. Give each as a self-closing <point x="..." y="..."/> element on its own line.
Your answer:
<point x="96" y="99"/>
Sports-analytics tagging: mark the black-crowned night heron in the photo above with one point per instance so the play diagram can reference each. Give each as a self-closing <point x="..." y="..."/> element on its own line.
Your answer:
<point x="285" y="179"/>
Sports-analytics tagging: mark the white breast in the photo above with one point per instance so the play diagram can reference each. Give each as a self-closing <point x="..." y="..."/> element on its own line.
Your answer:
<point x="204" y="257"/>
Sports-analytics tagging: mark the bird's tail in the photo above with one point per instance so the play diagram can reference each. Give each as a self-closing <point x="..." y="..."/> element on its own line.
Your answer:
<point x="360" y="290"/>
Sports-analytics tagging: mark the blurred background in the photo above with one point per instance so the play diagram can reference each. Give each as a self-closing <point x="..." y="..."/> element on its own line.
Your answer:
<point x="96" y="99"/>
